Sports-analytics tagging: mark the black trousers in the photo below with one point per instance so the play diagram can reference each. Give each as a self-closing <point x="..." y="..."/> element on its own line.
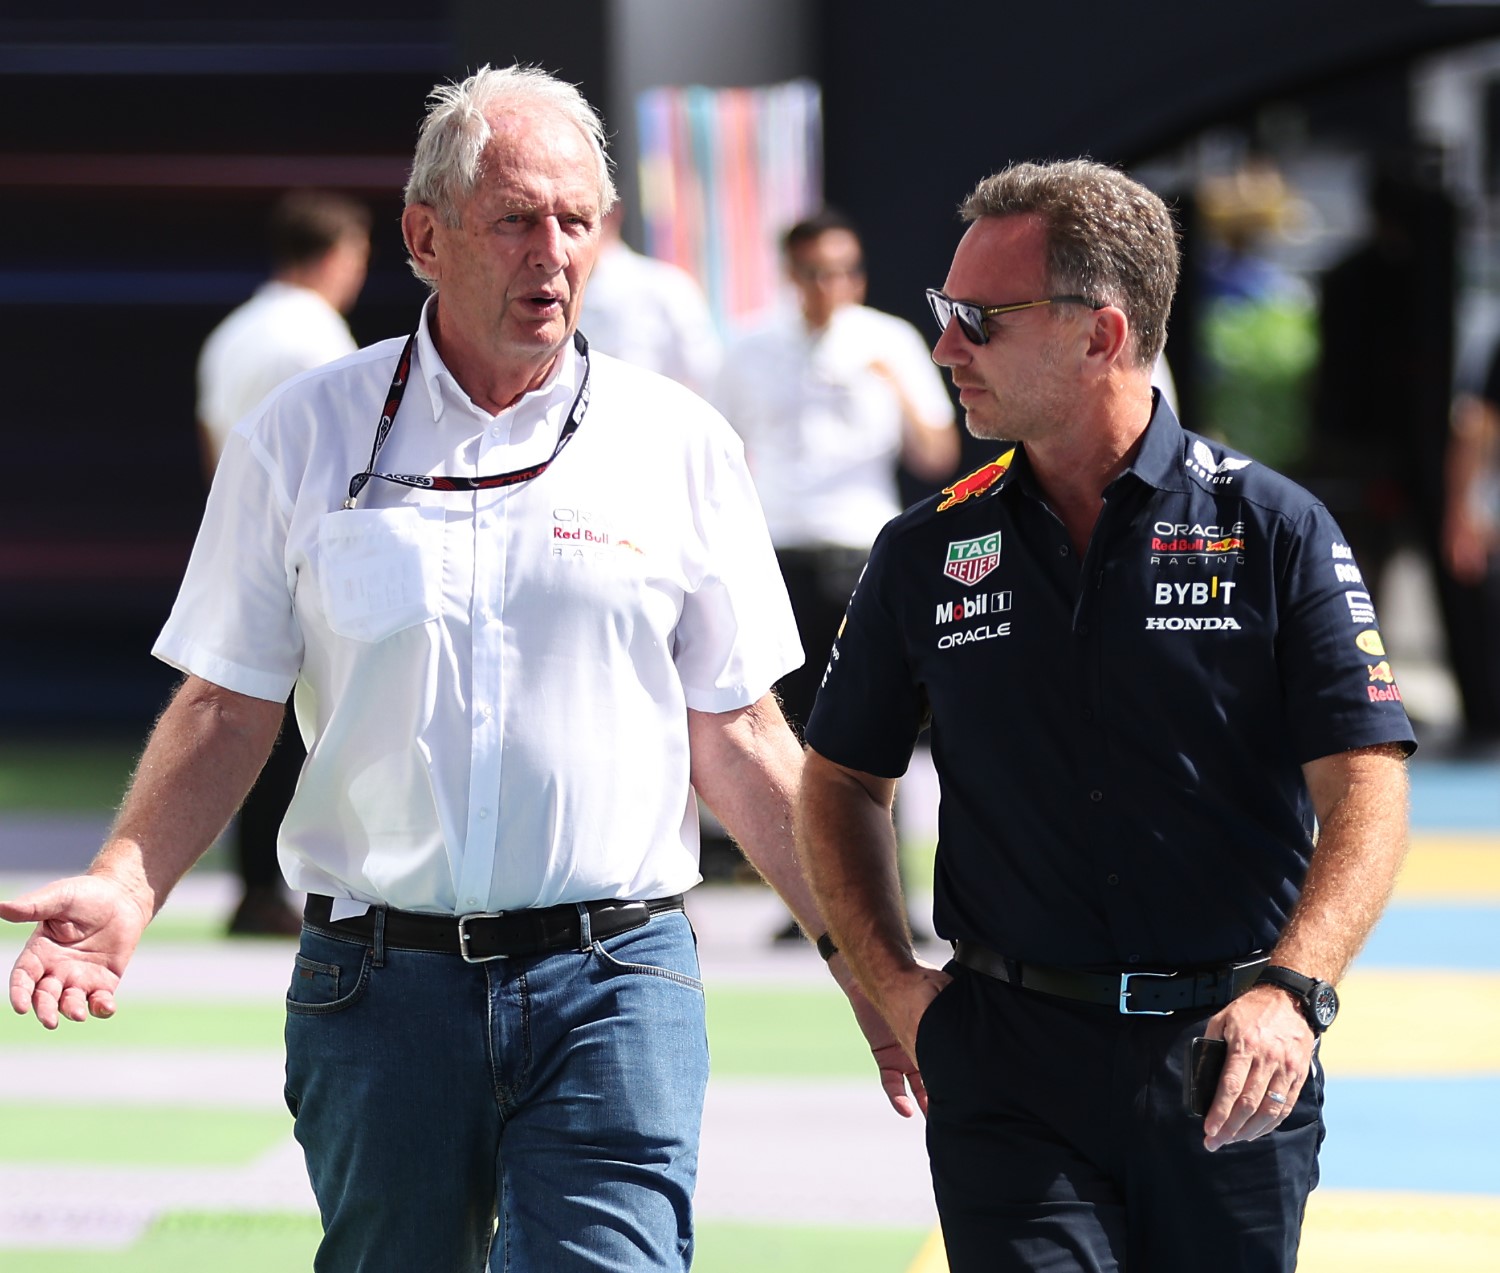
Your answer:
<point x="818" y="584"/>
<point x="265" y="807"/>
<point x="1059" y="1143"/>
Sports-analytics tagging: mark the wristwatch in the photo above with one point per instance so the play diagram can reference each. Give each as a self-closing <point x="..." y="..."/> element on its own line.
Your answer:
<point x="1318" y="1000"/>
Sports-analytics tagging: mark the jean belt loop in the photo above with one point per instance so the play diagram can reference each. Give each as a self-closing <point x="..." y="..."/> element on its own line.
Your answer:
<point x="378" y="938"/>
<point x="585" y="928"/>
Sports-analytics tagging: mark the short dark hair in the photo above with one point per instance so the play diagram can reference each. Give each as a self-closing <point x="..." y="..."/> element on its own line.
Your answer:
<point x="1109" y="238"/>
<point x="307" y="224"/>
<point x="822" y="222"/>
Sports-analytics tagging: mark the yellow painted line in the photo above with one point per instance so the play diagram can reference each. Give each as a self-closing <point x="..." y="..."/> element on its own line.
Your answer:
<point x="1390" y="1025"/>
<point x="1376" y="1232"/>
<point x="1349" y="1231"/>
<point x="933" y="1257"/>
<point x="1451" y="867"/>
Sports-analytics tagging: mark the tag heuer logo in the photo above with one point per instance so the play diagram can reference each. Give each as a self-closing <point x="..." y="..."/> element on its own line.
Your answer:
<point x="970" y="560"/>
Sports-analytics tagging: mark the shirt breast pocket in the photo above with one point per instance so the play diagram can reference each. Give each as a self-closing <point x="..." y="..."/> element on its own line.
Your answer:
<point x="380" y="570"/>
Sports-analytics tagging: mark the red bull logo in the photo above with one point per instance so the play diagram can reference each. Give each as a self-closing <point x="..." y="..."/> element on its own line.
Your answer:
<point x="1232" y="544"/>
<point x="977" y="482"/>
<point x="1382" y="687"/>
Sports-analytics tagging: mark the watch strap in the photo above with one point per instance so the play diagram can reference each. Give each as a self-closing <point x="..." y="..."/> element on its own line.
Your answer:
<point x="1302" y="988"/>
<point x="1287" y="979"/>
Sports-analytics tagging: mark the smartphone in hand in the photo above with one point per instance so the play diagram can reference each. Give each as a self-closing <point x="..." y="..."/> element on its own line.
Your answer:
<point x="1201" y="1075"/>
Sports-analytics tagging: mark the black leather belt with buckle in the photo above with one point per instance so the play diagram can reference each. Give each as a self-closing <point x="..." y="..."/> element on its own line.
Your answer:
<point x="493" y="936"/>
<point x="1137" y="992"/>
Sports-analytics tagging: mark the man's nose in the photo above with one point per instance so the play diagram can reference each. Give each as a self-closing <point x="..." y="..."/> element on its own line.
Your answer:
<point x="548" y="244"/>
<point x="952" y="346"/>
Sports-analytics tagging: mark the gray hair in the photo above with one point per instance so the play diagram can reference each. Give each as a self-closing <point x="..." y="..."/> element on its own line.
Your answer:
<point x="448" y="161"/>
<point x="1109" y="238"/>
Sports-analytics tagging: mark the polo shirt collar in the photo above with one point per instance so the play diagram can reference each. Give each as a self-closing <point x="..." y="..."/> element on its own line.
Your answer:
<point x="561" y="385"/>
<point x="1158" y="462"/>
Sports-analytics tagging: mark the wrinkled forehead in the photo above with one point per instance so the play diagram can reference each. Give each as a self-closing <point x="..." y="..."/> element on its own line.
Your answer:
<point x="539" y="158"/>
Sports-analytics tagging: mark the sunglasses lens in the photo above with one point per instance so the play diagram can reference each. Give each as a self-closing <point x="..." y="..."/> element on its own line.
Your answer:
<point x="970" y="317"/>
<point x="942" y="308"/>
<point x="970" y="322"/>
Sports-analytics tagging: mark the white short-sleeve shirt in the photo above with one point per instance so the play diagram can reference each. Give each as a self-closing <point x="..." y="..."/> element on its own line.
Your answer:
<point x="822" y="428"/>
<point x="280" y="332"/>
<point x="493" y="685"/>
<point x="653" y="314"/>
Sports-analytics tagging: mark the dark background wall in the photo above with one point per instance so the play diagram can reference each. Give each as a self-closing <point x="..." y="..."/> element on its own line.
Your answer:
<point x="138" y="158"/>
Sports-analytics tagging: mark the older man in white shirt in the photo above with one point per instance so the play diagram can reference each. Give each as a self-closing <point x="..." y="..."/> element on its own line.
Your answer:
<point x="528" y="603"/>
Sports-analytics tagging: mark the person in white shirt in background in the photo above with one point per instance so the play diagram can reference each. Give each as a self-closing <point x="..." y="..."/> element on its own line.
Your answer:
<point x="649" y="312"/>
<point x="319" y="245"/>
<point x="830" y="397"/>
<point x="320" y="249"/>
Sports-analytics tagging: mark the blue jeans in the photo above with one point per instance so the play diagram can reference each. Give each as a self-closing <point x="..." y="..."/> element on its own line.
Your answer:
<point x="529" y="1115"/>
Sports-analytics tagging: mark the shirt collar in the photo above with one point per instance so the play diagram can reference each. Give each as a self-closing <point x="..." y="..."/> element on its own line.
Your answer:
<point x="1157" y="463"/>
<point x="560" y="387"/>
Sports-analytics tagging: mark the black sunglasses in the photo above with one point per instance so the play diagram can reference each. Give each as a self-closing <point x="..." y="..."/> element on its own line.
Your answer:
<point x="971" y="316"/>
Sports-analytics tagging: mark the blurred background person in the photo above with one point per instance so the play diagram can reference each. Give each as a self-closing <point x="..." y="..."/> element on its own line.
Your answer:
<point x="319" y="249"/>
<point x="1471" y="548"/>
<point x="649" y="312"/>
<point x="830" y="396"/>
<point x="1385" y="400"/>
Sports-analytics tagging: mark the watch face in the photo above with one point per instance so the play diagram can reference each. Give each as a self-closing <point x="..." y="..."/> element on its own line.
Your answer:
<point x="1325" y="1004"/>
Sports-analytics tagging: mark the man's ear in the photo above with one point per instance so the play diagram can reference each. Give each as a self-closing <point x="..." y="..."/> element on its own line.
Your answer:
<point x="1109" y="335"/>
<point x="418" y="228"/>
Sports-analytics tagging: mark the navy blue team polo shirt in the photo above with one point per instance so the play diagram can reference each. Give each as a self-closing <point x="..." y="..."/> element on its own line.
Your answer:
<point x="1118" y="739"/>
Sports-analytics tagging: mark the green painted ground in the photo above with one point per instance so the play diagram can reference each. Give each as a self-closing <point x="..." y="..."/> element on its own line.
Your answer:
<point x="142" y="1135"/>
<point x="748" y="1029"/>
<point x="64" y="777"/>
<point x="256" y="1244"/>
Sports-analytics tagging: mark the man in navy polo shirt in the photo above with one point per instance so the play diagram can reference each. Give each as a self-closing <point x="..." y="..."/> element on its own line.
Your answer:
<point x="1171" y="751"/>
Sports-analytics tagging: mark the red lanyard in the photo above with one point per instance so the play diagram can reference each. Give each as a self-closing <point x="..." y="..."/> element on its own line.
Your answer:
<point x="439" y="483"/>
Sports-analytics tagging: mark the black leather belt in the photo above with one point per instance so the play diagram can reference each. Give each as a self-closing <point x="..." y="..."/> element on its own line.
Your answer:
<point x="1145" y="992"/>
<point x="492" y="936"/>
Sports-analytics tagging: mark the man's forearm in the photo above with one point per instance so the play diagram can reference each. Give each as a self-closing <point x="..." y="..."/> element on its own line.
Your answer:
<point x="848" y="846"/>
<point x="747" y="766"/>
<point x="199" y="763"/>
<point x="1361" y="800"/>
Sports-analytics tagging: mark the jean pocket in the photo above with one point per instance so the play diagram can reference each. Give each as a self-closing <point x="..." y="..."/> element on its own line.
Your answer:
<point x="319" y="987"/>
<point x="656" y="949"/>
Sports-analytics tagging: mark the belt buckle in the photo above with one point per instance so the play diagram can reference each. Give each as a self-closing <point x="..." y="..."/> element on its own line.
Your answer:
<point x="1126" y="1009"/>
<point x="463" y="937"/>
